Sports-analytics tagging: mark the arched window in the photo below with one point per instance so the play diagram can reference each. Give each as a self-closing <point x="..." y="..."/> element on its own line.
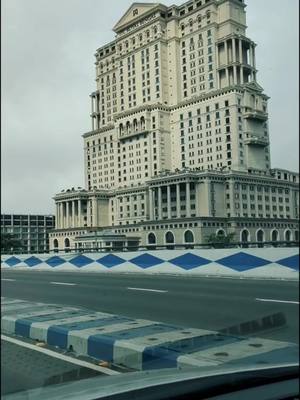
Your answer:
<point x="142" y="123"/>
<point x="287" y="235"/>
<point x="169" y="240"/>
<point x="55" y="245"/>
<point x="67" y="244"/>
<point x="274" y="236"/>
<point x="260" y="236"/>
<point x="140" y="37"/>
<point x="121" y="129"/>
<point x="221" y="233"/>
<point x="151" y="238"/>
<point x="155" y="30"/>
<point x="169" y="237"/>
<point x="135" y="125"/>
<point x="188" y="237"/>
<point x="245" y="237"/>
<point x="127" y="127"/>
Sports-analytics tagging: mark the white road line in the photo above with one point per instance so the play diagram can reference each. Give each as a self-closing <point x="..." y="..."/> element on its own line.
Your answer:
<point x="278" y="301"/>
<point x="6" y="279"/>
<point x="69" y="359"/>
<point x="147" y="290"/>
<point x="63" y="283"/>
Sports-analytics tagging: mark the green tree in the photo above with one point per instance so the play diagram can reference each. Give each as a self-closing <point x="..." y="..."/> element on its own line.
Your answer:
<point x="217" y="240"/>
<point x="9" y="242"/>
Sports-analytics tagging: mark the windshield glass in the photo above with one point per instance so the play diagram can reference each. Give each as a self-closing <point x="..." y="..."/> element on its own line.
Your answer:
<point x="149" y="233"/>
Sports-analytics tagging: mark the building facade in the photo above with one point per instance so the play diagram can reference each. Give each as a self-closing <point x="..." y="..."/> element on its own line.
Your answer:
<point x="32" y="231"/>
<point x="179" y="134"/>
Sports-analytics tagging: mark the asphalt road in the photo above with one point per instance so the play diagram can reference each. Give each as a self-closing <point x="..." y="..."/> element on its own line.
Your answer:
<point x="18" y="364"/>
<point x="207" y="303"/>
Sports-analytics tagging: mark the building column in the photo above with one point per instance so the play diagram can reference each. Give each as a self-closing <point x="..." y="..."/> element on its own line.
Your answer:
<point x="264" y="202"/>
<point x="159" y="203"/>
<point x="248" y="201"/>
<point x="226" y="52"/>
<point x="57" y="216"/>
<point x="79" y="217"/>
<point x="250" y="61"/>
<point x="169" y="201"/>
<point x="241" y="75"/>
<point x="92" y="112"/>
<point x="241" y="200"/>
<point x="256" y="201"/>
<point x="188" y="200"/>
<point x="227" y="76"/>
<point x="253" y="55"/>
<point x="233" y="50"/>
<point x="98" y="110"/>
<point x="277" y="204"/>
<point x="94" y="212"/>
<point x="240" y="52"/>
<point x="232" y="199"/>
<point x="98" y="103"/>
<point x="116" y="208"/>
<point x="73" y="213"/>
<point x="139" y="206"/>
<point x="62" y="215"/>
<point x="151" y="209"/>
<point x="178" y="200"/>
<point x="234" y="75"/>
<point x="88" y="213"/>
<point x="67" y="214"/>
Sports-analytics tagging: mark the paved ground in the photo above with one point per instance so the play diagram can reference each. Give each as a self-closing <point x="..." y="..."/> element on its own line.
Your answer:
<point x="207" y="303"/>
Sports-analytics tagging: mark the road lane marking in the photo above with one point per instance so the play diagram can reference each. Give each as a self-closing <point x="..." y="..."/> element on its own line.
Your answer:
<point x="278" y="301"/>
<point x="63" y="357"/>
<point x="6" y="279"/>
<point x="63" y="283"/>
<point x="147" y="290"/>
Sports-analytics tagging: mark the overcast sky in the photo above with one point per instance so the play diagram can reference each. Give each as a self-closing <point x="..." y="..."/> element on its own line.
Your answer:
<point x="48" y="73"/>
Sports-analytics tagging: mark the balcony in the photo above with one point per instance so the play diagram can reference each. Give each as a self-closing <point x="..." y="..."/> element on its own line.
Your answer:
<point x="251" y="113"/>
<point x="256" y="140"/>
<point x="126" y="135"/>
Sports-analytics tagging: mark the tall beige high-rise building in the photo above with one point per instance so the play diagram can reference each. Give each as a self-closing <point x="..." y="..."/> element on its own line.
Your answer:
<point x="179" y="145"/>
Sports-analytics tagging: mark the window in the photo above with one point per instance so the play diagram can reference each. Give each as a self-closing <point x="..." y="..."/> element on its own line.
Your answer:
<point x="151" y="238"/>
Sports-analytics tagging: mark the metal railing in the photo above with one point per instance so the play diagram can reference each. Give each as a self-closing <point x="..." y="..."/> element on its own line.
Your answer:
<point x="169" y="246"/>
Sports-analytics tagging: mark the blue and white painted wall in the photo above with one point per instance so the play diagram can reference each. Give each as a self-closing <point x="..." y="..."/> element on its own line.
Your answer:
<point x="259" y="262"/>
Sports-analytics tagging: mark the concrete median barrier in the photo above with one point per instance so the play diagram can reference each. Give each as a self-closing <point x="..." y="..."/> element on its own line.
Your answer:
<point x="135" y="344"/>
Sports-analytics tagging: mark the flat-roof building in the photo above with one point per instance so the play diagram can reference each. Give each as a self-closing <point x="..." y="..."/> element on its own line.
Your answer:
<point x="30" y="231"/>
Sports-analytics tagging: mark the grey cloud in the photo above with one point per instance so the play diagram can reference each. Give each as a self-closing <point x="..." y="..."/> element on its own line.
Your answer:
<point x="48" y="73"/>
